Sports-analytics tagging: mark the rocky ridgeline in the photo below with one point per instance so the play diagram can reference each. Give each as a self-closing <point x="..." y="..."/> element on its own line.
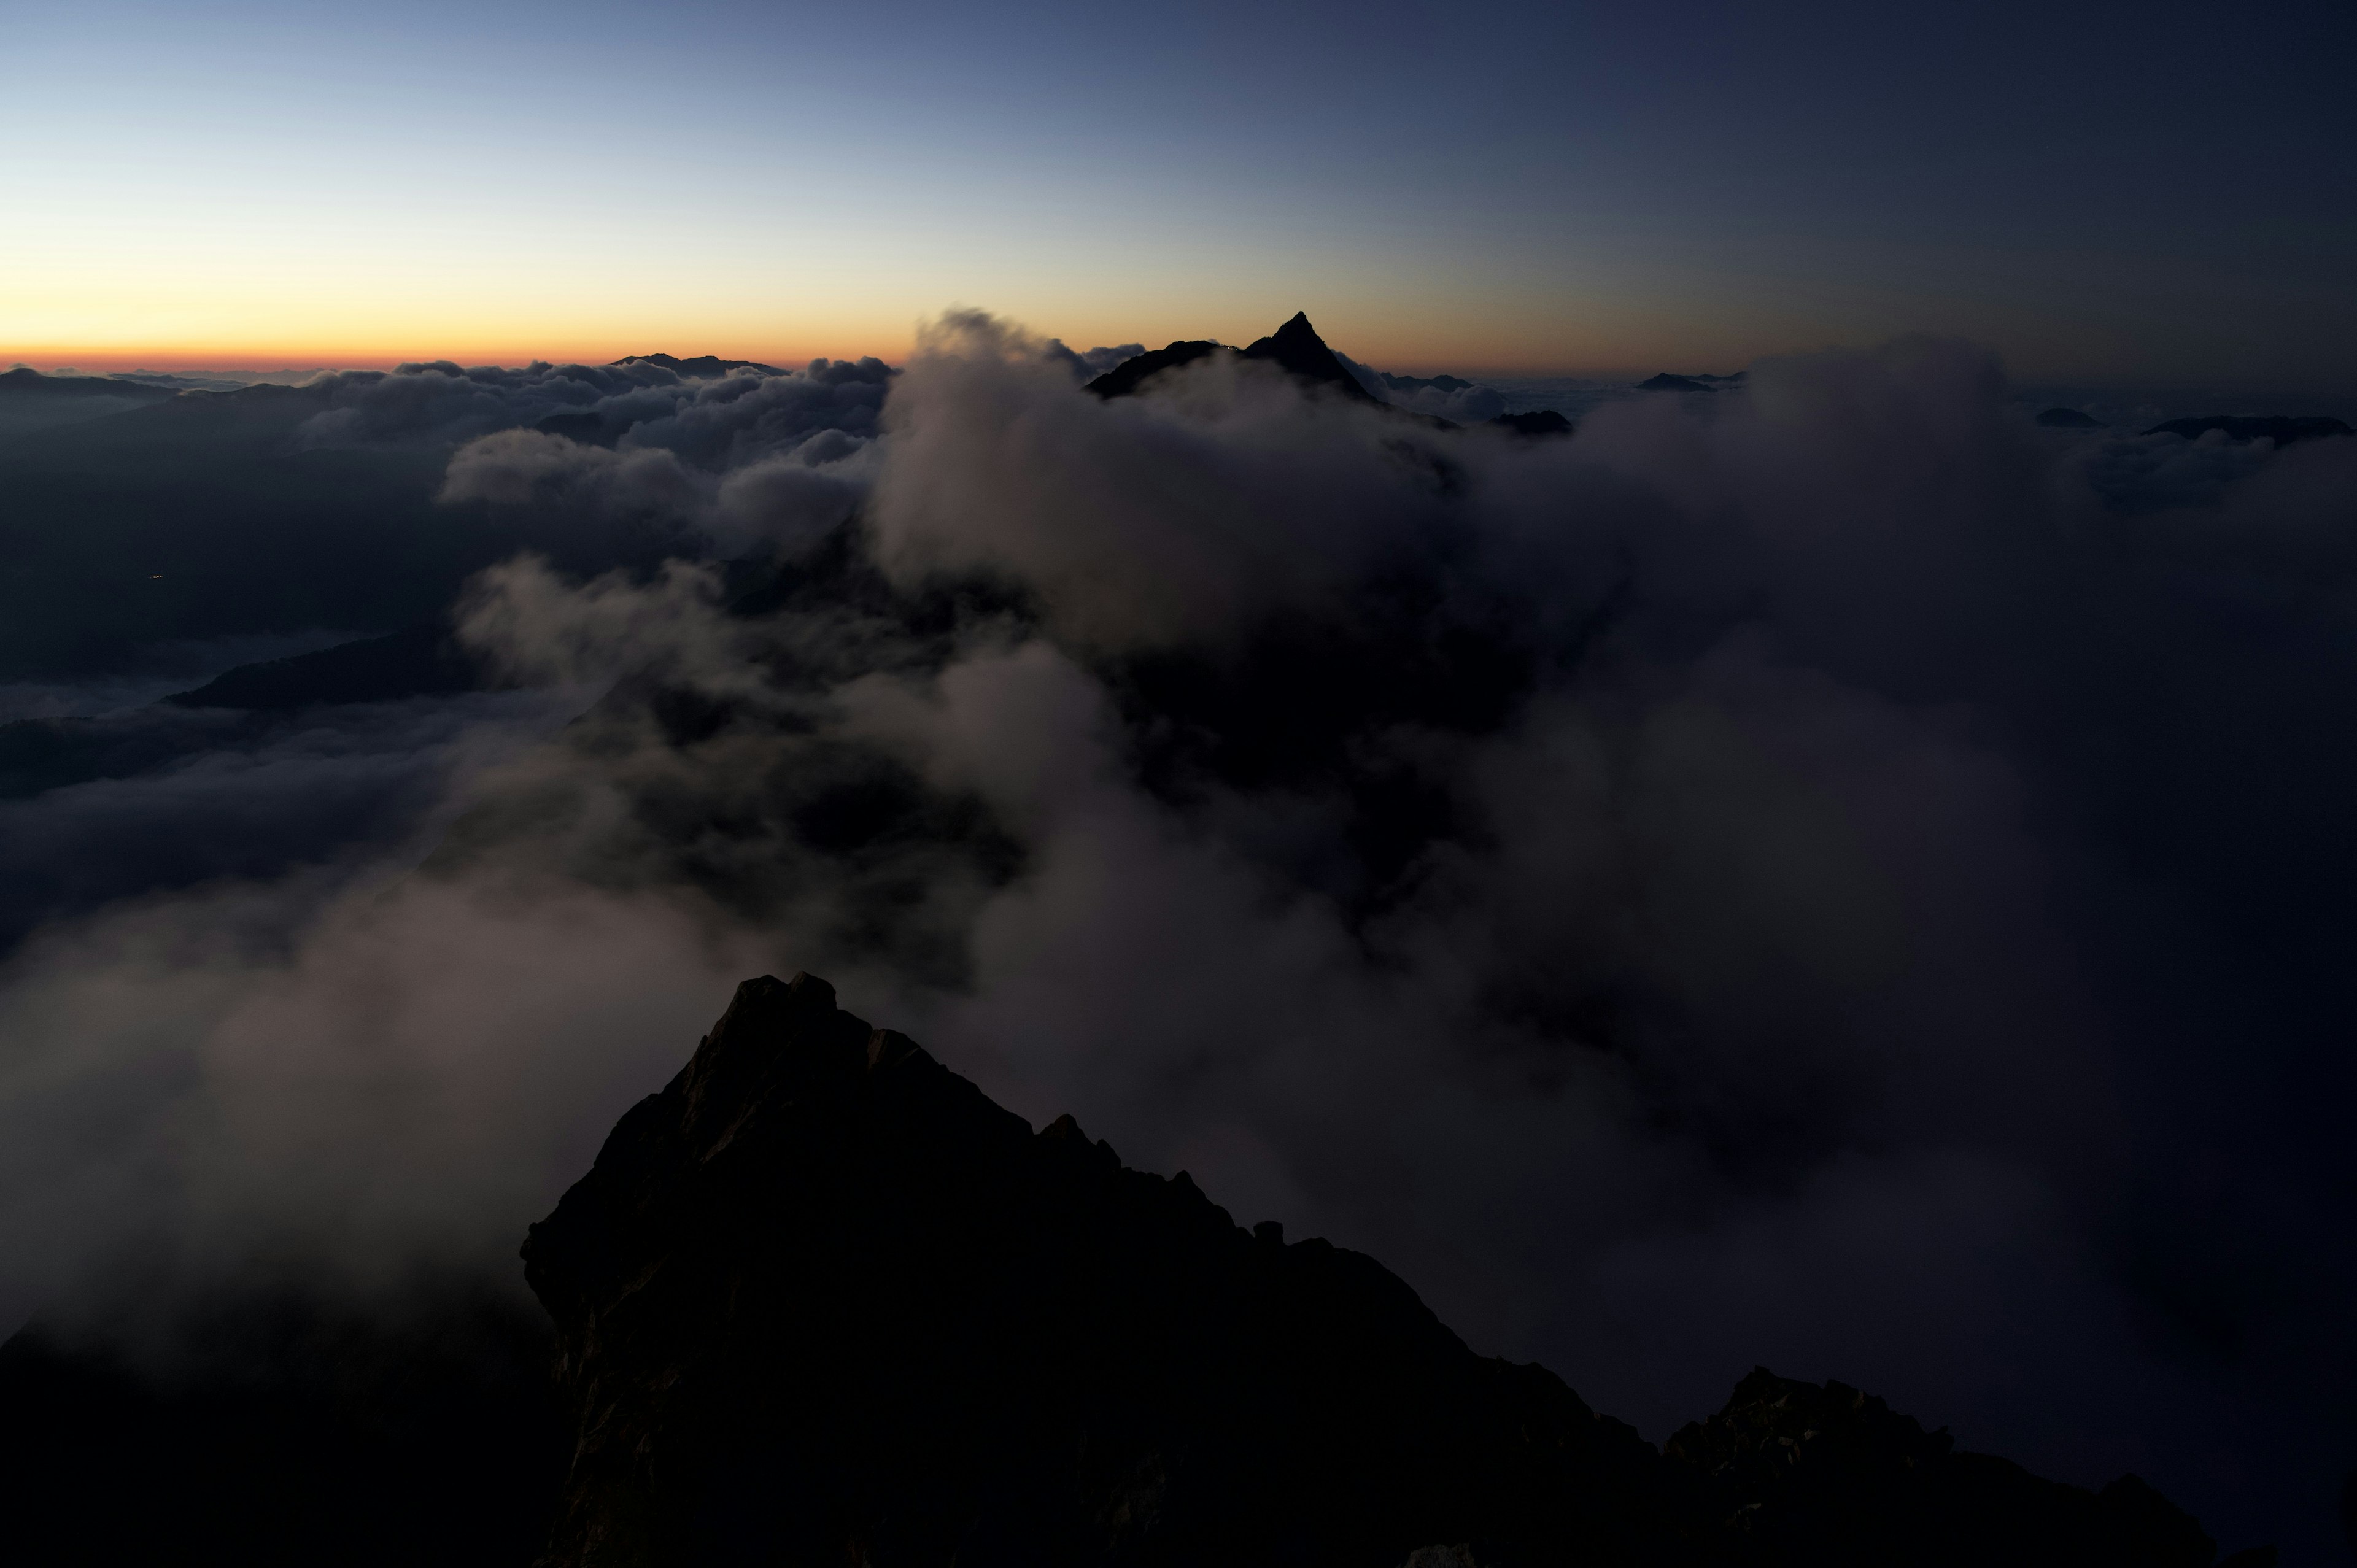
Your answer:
<point x="821" y="1301"/>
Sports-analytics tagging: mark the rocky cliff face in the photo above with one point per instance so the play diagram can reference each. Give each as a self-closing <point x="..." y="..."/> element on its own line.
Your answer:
<point x="821" y="1301"/>
<point x="1793" y="1473"/>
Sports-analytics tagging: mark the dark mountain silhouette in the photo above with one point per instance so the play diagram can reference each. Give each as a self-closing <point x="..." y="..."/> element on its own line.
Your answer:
<point x="1666" y="381"/>
<point x="2282" y="431"/>
<point x="422" y="661"/>
<point x="1418" y="383"/>
<point x="1294" y="347"/>
<point x="278" y="1432"/>
<point x="1826" y="1476"/>
<point x="38" y="754"/>
<point x="1538" y="422"/>
<point x="2069" y="419"/>
<point x="26" y="383"/>
<point x="821" y="1300"/>
<point x="1124" y="379"/>
<point x="703" y="367"/>
<point x="33" y="404"/>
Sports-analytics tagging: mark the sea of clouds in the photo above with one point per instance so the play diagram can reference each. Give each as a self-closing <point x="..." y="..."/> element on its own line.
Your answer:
<point x="1829" y="875"/>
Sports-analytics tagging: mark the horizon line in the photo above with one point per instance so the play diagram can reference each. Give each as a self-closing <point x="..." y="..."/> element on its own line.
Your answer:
<point x="49" y="360"/>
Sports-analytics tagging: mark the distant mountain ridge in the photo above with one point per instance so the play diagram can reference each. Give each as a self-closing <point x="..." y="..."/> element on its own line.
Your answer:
<point x="701" y="367"/>
<point x="1294" y="347"/>
<point x="1666" y="381"/>
<point x="25" y="380"/>
<point x="2281" y="430"/>
<point x="419" y="662"/>
<point x="31" y="402"/>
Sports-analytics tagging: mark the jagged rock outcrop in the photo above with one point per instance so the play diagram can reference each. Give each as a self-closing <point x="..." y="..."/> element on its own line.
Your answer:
<point x="1297" y="347"/>
<point x="820" y="1301"/>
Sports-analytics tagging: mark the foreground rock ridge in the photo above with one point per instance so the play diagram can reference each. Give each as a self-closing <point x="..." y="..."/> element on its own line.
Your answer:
<point x="821" y="1301"/>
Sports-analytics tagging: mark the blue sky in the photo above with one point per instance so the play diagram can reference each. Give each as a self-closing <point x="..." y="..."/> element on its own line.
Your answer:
<point x="2161" y="193"/>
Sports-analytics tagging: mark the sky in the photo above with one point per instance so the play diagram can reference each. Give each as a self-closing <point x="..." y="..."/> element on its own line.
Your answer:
<point x="2112" y="194"/>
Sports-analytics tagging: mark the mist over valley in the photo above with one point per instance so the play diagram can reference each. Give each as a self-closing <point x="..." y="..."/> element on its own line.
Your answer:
<point x="1814" y="865"/>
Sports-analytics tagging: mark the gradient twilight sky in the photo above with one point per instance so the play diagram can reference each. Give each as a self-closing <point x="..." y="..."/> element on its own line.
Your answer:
<point x="2147" y="194"/>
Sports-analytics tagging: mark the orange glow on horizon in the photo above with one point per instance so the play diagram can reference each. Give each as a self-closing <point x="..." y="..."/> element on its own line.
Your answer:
<point x="269" y="354"/>
<point x="1414" y="354"/>
<point x="1497" y="338"/>
<point x="189" y="361"/>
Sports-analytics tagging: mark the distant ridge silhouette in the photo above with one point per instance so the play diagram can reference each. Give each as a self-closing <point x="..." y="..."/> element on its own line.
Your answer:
<point x="1294" y="347"/>
<point x="703" y="367"/>
<point x="1666" y="381"/>
<point x="1538" y="422"/>
<point x="25" y="380"/>
<point x="2277" y="428"/>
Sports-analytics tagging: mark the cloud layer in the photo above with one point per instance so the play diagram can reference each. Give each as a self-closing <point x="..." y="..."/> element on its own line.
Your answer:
<point x="1832" y="877"/>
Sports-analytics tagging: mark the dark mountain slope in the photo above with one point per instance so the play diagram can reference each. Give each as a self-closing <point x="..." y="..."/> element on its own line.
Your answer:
<point x="1124" y="379"/>
<point x="820" y="1301"/>
<point x="421" y="661"/>
<point x="27" y="382"/>
<point x="31" y="402"/>
<point x="1828" y="1478"/>
<point x="1296" y="346"/>
<point x="279" y="1431"/>
<point x="1538" y="422"/>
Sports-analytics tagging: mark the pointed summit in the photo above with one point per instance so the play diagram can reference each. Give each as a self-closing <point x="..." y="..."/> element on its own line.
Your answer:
<point x="1296" y="346"/>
